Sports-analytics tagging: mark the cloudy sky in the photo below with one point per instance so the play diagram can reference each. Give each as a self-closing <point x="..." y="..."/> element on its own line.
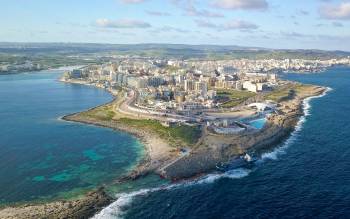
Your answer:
<point x="317" y="24"/>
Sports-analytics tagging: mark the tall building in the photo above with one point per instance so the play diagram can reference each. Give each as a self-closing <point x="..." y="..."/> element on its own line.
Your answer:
<point x="189" y="85"/>
<point x="202" y="88"/>
<point x="155" y="81"/>
<point x="137" y="82"/>
<point x="113" y="76"/>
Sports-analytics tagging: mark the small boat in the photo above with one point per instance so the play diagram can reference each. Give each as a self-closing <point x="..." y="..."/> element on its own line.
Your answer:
<point x="248" y="158"/>
<point x="240" y="162"/>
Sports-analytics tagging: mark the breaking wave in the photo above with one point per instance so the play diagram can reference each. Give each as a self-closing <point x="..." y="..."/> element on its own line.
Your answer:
<point x="273" y="155"/>
<point x="118" y="208"/>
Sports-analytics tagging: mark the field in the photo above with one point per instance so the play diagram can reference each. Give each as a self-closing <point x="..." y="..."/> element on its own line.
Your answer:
<point x="67" y="51"/>
<point x="233" y="97"/>
<point x="175" y="135"/>
<point x="185" y="133"/>
<point x="287" y="92"/>
<point x="47" y="61"/>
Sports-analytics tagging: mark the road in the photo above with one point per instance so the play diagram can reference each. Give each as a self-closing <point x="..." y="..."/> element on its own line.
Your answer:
<point x="128" y="107"/>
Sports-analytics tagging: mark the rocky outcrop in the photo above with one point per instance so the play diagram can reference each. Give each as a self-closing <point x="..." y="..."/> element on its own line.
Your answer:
<point x="84" y="207"/>
<point x="199" y="161"/>
<point x="218" y="149"/>
<point x="225" y="150"/>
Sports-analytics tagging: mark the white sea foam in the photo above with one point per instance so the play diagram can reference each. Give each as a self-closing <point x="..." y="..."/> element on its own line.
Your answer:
<point x="273" y="155"/>
<point x="118" y="208"/>
<point x="231" y="174"/>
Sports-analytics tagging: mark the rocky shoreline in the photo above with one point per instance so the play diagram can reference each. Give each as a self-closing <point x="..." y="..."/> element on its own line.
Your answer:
<point x="84" y="207"/>
<point x="218" y="149"/>
<point x="210" y="151"/>
<point x="149" y="163"/>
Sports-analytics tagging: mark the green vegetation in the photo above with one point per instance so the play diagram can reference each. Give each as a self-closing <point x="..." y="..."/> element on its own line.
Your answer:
<point x="170" y="68"/>
<point x="275" y="54"/>
<point x="60" y="53"/>
<point x="176" y="135"/>
<point x="104" y="113"/>
<point x="281" y="94"/>
<point x="287" y="92"/>
<point x="234" y="97"/>
<point x="46" y="61"/>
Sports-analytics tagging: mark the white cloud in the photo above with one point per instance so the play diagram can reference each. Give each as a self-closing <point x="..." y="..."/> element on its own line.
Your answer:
<point x="230" y="25"/>
<point x="188" y="6"/>
<point x="158" y="13"/>
<point x="170" y="29"/>
<point x="202" y="13"/>
<point x="303" y="12"/>
<point x="123" y="23"/>
<point x="132" y="1"/>
<point x="336" y="12"/>
<point x="241" y="4"/>
<point x="203" y="23"/>
<point x="293" y="35"/>
<point x="239" y="24"/>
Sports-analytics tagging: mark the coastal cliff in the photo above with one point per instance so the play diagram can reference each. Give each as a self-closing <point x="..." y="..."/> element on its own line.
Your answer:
<point x="205" y="151"/>
<point x="218" y="149"/>
<point x="84" y="207"/>
<point x="210" y="149"/>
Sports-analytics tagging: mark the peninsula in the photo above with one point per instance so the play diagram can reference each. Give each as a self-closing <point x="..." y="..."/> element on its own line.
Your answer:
<point x="193" y="120"/>
<point x="192" y="117"/>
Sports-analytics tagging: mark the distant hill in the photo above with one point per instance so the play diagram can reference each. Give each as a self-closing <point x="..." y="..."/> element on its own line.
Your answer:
<point x="181" y="51"/>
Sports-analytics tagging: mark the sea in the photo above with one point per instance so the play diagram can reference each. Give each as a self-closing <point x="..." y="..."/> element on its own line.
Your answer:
<point x="306" y="176"/>
<point x="43" y="157"/>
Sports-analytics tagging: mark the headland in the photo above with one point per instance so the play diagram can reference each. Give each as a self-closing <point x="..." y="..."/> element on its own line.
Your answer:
<point x="178" y="157"/>
<point x="190" y="126"/>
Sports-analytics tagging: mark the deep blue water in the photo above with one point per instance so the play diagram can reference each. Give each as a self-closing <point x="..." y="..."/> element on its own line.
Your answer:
<point x="44" y="157"/>
<point x="308" y="177"/>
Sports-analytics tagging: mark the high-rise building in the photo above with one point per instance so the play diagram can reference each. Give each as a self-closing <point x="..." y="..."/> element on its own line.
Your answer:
<point x="155" y="81"/>
<point x="189" y="85"/>
<point x="202" y="88"/>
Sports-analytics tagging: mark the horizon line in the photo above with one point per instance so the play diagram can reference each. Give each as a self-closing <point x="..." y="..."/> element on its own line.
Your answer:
<point x="180" y="44"/>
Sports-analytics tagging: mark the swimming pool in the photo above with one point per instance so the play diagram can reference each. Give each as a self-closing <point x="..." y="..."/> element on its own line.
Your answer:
<point x="258" y="123"/>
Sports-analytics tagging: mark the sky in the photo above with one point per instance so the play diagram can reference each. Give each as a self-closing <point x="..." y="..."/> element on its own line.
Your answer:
<point x="282" y="24"/>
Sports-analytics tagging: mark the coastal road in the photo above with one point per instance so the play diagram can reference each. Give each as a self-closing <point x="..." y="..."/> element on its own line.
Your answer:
<point x="128" y="107"/>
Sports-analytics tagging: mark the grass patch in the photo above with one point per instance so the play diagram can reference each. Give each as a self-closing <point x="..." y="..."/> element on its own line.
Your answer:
<point x="281" y="94"/>
<point x="171" y="68"/>
<point x="233" y="97"/>
<point x="288" y="92"/>
<point x="104" y="113"/>
<point x="176" y="135"/>
<point x="183" y="133"/>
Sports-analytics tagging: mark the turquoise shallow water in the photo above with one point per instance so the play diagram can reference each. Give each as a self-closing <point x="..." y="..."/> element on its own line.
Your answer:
<point x="258" y="123"/>
<point x="44" y="157"/>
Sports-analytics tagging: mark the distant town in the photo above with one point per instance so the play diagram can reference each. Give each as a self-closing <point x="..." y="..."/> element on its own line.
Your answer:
<point x="21" y="67"/>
